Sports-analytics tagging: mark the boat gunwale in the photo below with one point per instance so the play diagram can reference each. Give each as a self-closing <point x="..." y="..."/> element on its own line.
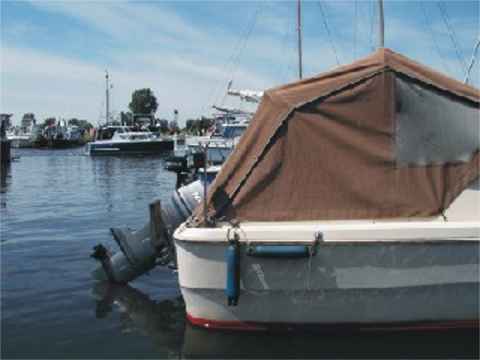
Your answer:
<point x="331" y="234"/>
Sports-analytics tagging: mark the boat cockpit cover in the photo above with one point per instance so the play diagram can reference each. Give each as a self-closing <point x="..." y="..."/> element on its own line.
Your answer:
<point x="383" y="137"/>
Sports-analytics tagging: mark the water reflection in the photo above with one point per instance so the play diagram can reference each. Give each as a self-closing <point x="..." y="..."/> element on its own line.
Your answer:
<point x="5" y="177"/>
<point x="139" y="174"/>
<point x="164" y="322"/>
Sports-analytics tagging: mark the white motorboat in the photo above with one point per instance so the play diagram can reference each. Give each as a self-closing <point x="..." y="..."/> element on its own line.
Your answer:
<point x="219" y="145"/>
<point x="123" y="140"/>
<point x="162" y="321"/>
<point x="24" y="136"/>
<point x="20" y="140"/>
<point x="351" y="200"/>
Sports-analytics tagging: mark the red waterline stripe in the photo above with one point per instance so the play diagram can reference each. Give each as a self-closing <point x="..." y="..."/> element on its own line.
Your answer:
<point x="334" y="327"/>
<point x="226" y="324"/>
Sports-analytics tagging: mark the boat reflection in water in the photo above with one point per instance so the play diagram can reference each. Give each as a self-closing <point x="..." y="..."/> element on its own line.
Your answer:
<point x="164" y="322"/>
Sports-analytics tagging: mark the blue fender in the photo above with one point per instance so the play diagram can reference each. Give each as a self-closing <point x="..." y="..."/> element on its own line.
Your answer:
<point x="232" y="258"/>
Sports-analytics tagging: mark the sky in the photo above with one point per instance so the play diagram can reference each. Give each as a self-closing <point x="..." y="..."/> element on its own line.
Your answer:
<point x="54" y="53"/>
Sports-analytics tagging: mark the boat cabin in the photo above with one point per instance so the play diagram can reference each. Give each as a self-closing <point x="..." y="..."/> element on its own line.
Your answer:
<point x="123" y="133"/>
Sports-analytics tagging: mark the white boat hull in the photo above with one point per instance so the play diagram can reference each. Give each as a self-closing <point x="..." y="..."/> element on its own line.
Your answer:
<point x="21" y="142"/>
<point x="381" y="283"/>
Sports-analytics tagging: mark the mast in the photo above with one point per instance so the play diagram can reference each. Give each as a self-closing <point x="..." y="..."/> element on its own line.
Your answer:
<point x="299" y="32"/>
<point x="381" y="25"/>
<point x="107" y="98"/>
<point x="472" y="61"/>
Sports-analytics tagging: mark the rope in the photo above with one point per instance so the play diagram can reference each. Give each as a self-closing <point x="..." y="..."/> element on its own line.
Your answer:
<point x="451" y="33"/>
<point x="329" y="34"/>
<point x="428" y="27"/>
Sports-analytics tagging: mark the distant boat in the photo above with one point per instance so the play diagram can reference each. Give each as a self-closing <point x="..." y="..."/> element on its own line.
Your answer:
<point x="58" y="136"/>
<point x="20" y="141"/>
<point x="23" y="136"/>
<point x="221" y="143"/>
<point x="123" y="140"/>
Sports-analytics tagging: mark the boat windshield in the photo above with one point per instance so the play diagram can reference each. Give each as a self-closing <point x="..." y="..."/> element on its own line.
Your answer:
<point x="231" y="132"/>
<point x="135" y="136"/>
<point x="107" y="133"/>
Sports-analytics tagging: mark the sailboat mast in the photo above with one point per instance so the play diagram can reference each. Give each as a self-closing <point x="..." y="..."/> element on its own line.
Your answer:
<point x="381" y="25"/>
<point x="299" y="33"/>
<point x="107" y="98"/>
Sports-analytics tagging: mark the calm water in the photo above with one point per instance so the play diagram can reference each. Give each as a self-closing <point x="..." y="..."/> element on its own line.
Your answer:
<point x="56" y="205"/>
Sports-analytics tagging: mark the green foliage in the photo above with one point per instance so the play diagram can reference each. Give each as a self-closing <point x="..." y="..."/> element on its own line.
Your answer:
<point x="143" y="102"/>
<point x="48" y="122"/>
<point x="163" y="125"/>
<point x="198" y="126"/>
<point x="82" y="124"/>
<point x="126" y="118"/>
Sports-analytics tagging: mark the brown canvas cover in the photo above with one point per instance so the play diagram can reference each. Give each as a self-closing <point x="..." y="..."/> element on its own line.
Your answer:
<point x="383" y="137"/>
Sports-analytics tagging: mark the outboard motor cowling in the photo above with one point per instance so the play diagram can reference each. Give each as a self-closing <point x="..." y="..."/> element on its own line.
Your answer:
<point x="139" y="251"/>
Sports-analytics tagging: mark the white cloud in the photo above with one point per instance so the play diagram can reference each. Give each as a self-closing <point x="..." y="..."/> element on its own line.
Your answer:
<point x="57" y="86"/>
<point x="188" y="66"/>
<point x="123" y="20"/>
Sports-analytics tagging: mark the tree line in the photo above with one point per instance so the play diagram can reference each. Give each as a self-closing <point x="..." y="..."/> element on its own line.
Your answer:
<point x="143" y="104"/>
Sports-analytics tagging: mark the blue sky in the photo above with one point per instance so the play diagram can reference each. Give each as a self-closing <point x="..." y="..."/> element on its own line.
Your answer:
<point x="54" y="53"/>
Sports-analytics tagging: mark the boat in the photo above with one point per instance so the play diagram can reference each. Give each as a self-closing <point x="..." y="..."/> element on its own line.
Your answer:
<point x="352" y="200"/>
<point x="20" y="140"/>
<point x="162" y="321"/>
<point x="113" y="139"/>
<point x="228" y="126"/>
<point x="221" y="143"/>
<point x="59" y="135"/>
<point x="24" y="136"/>
<point x="179" y="139"/>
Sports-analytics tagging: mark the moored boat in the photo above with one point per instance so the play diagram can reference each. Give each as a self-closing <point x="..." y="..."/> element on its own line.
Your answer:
<point x="221" y="144"/>
<point x="122" y="140"/>
<point x="20" y="141"/>
<point x="352" y="200"/>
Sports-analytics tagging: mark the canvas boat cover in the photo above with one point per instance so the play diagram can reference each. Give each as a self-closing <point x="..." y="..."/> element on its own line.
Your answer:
<point x="383" y="137"/>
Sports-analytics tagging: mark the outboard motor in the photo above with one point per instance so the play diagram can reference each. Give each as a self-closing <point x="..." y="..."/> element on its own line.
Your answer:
<point x="151" y="245"/>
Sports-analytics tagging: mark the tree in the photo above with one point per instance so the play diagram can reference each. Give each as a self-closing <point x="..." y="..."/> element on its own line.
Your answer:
<point x="126" y="118"/>
<point x="189" y="124"/>
<point x="82" y="124"/>
<point x="205" y="124"/>
<point x="143" y="102"/>
<point x="163" y="125"/>
<point x="49" y="122"/>
<point x="173" y="126"/>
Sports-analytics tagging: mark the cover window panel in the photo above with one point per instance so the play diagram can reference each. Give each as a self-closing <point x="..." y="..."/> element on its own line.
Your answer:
<point x="433" y="127"/>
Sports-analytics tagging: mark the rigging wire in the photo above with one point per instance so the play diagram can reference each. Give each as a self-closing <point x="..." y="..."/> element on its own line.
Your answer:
<point x="218" y="85"/>
<point x="355" y="31"/>
<point x="241" y="49"/>
<point x="372" y="24"/>
<point x="329" y="34"/>
<point x="287" y="40"/>
<point x="451" y="33"/>
<point x="472" y="61"/>
<point x="428" y="26"/>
